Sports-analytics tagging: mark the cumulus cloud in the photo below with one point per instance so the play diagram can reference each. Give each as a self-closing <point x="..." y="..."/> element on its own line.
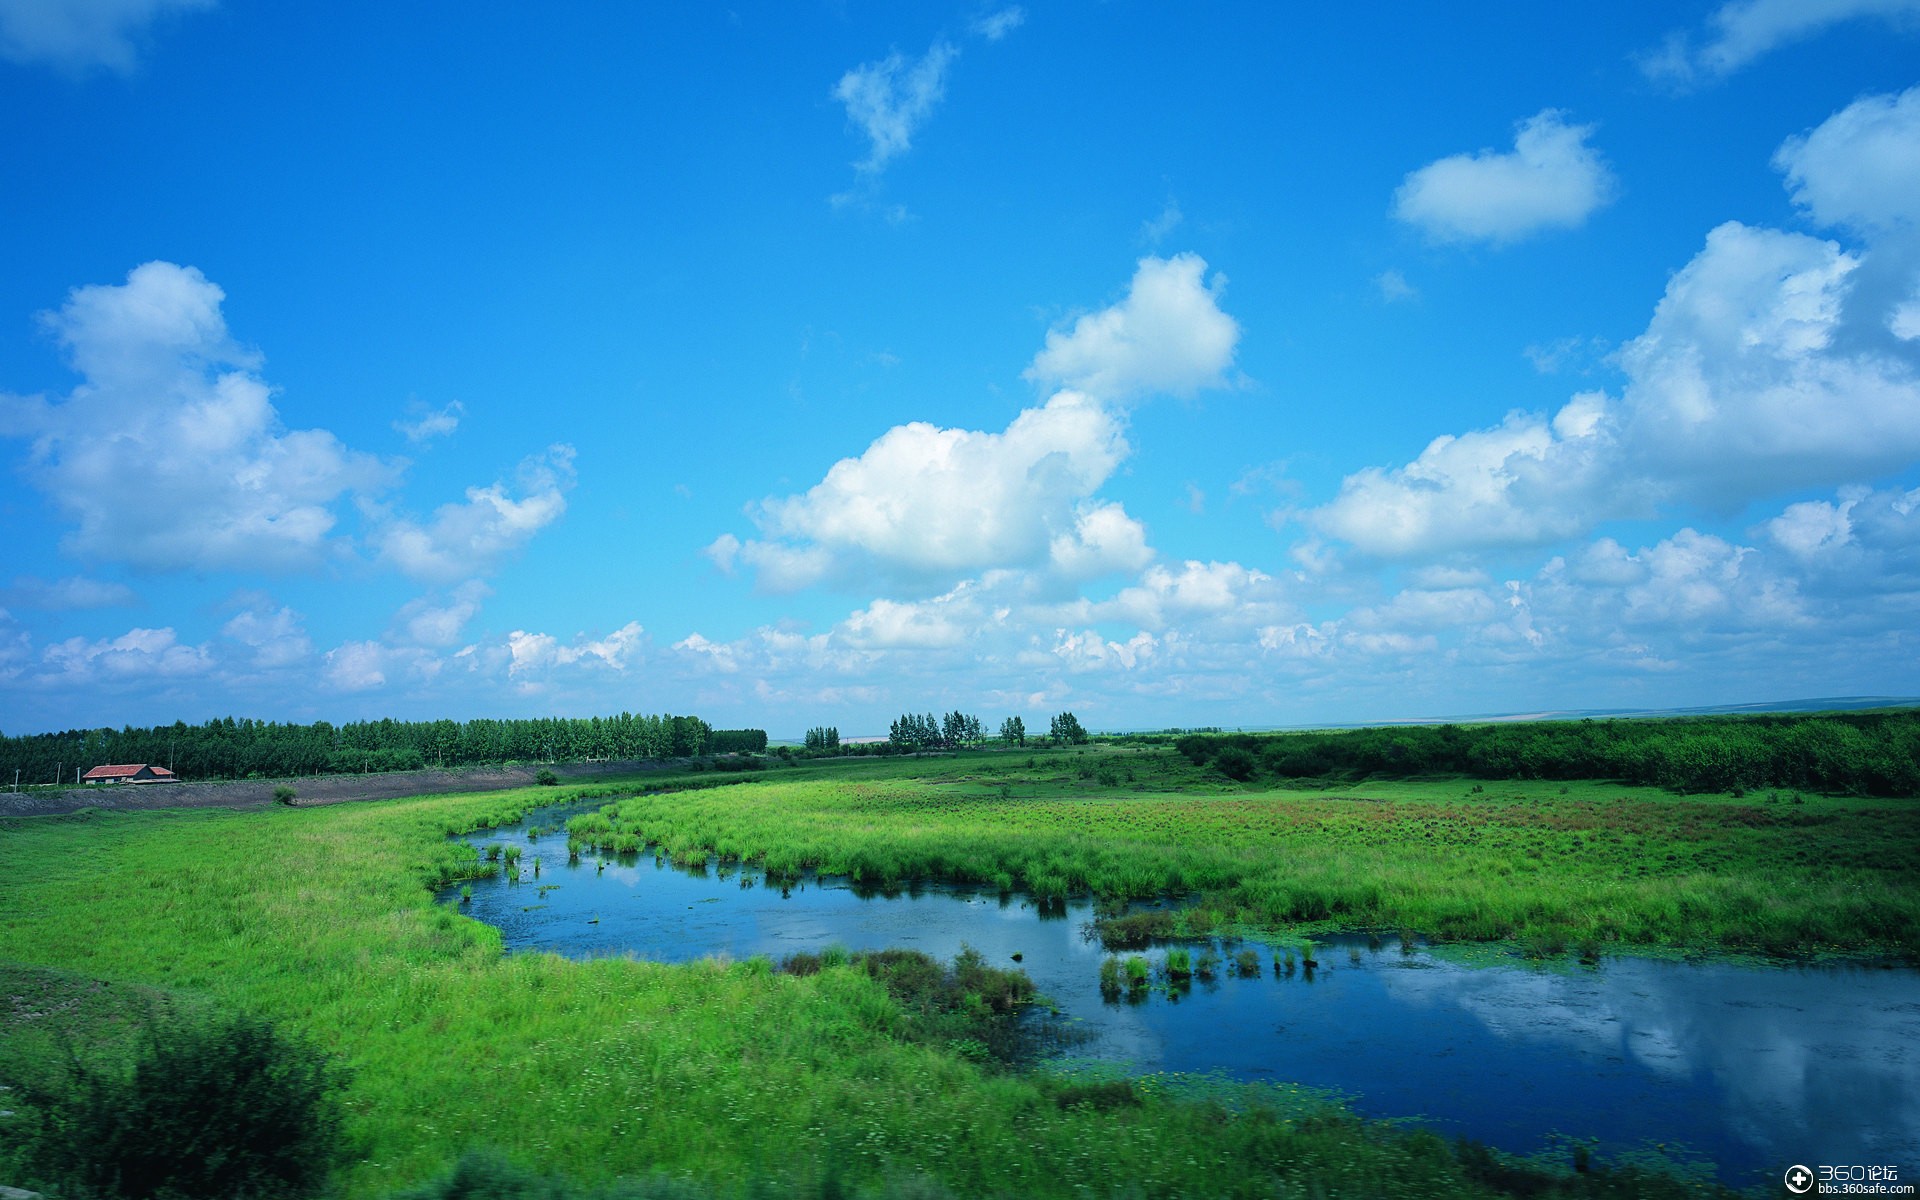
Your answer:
<point x="1764" y="367"/>
<point x="1691" y="582"/>
<point x="432" y="621"/>
<point x="356" y="666"/>
<point x="1525" y="481"/>
<point x="466" y="539"/>
<point x="1552" y="179"/>
<point x="1745" y="383"/>
<point x="1086" y="650"/>
<point x="890" y="99"/>
<point x="138" y="654"/>
<point x="1860" y="168"/>
<point x="1104" y="541"/>
<point x="275" y="636"/>
<point x="540" y="652"/>
<point x="1744" y="30"/>
<point x="171" y="453"/>
<point x="1165" y="596"/>
<point x="1168" y="335"/>
<point x="924" y="501"/>
<point x="76" y="35"/>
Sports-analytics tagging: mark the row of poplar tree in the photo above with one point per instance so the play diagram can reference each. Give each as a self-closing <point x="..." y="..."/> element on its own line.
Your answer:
<point x="914" y="732"/>
<point x="227" y="748"/>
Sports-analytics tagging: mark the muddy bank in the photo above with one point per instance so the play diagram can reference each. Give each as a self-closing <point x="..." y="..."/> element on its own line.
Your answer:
<point x="317" y="789"/>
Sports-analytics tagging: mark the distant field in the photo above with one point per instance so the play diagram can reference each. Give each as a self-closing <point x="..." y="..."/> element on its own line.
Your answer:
<point x="1548" y="863"/>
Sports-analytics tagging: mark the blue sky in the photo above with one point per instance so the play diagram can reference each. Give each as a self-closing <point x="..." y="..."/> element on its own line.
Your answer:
<point x="801" y="364"/>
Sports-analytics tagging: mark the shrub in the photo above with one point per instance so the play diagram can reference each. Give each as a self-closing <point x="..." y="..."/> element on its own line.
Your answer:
<point x="546" y="777"/>
<point x="214" y="1108"/>
<point x="1235" y="763"/>
<point x="283" y="795"/>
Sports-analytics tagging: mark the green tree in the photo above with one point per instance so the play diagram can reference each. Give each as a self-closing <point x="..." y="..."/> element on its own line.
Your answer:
<point x="1013" y="731"/>
<point x="1067" y="730"/>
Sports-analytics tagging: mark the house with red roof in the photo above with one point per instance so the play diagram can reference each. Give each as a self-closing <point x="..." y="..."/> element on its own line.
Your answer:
<point x="130" y="773"/>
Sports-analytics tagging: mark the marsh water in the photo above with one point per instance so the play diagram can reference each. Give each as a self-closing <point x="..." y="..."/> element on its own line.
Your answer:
<point x="1749" y="1069"/>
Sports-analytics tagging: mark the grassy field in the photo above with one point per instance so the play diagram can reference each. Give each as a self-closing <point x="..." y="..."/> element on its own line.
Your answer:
<point x="1546" y="864"/>
<point x="733" y="1074"/>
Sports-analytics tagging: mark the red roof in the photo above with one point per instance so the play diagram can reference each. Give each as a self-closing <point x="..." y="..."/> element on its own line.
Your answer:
<point x="127" y="771"/>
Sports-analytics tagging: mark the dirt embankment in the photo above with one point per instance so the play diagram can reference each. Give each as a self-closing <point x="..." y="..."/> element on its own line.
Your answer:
<point x="316" y="789"/>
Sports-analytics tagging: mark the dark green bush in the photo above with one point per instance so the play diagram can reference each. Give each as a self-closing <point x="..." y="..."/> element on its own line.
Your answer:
<point x="1235" y="763"/>
<point x="210" y="1108"/>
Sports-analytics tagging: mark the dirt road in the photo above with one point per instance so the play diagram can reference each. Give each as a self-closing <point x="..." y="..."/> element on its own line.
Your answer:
<point x="318" y="789"/>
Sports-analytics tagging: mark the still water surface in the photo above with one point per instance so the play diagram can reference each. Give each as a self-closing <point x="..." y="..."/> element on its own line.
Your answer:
<point x="1749" y="1068"/>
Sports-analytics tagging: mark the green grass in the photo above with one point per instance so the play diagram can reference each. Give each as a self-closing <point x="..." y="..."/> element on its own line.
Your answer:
<point x="321" y="919"/>
<point x="1585" y="863"/>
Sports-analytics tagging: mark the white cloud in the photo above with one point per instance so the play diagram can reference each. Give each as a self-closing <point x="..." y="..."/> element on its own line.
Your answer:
<point x="1764" y="367"/>
<point x="1692" y="585"/>
<point x="1104" y="540"/>
<point x="467" y="539"/>
<point x="1394" y="288"/>
<point x="428" y="621"/>
<point x="1427" y="610"/>
<point x="1743" y="383"/>
<point x="1526" y="481"/>
<point x="171" y="454"/>
<point x="70" y="593"/>
<point x="719" y="654"/>
<point x="356" y="667"/>
<point x="1904" y="321"/>
<point x="924" y="501"/>
<point x="996" y="25"/>
<point x="1552" y="179"/>
<point x="1153" y="232"/>
<point x="1169" y="335"/>
<point x="79" y="34"/>
<point x="1745" y="30"/>
<point x="1811" y="528"/>
<point x="138" y="654"/>
<point x="1196" y="591"/>
<point x="890" y="99"/>
<point x="941" y="622"/>
<point x="275" y="636"/>
<point x="426" y="424"/>
<point x="1859" y="168"/>
<point x="1086" y="650"/>
<point x="532" y="652"/>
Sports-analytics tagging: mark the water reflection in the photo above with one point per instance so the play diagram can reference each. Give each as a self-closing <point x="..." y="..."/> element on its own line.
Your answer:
<point x="1753" y="1068"/>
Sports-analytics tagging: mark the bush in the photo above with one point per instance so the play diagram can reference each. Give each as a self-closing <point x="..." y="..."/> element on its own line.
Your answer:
<point x="546" y="777"/>
<point x="211" y="1108"/>
<point x="1235" y="763"/>
<point x="283" y="795"/>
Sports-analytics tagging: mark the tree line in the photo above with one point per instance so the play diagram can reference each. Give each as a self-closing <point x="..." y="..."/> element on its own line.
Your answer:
<point x="1864" y="753"/>
<point x="912" y="732"/>
<point x="229" y="748"/>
